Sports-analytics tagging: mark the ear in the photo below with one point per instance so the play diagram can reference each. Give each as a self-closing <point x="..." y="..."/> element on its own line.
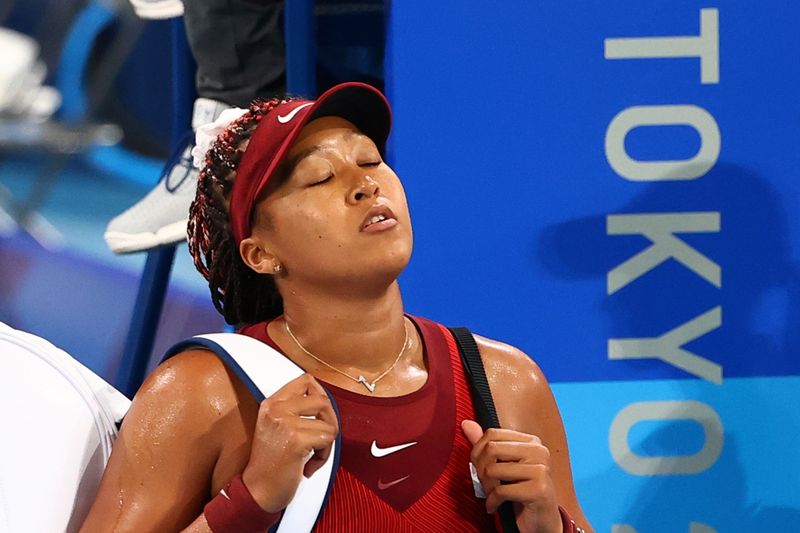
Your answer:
<point x="255" y="255"/>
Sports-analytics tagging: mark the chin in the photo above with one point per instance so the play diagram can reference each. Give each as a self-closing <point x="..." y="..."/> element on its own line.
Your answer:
<point x="399" y="256"/>
<point x="391" y="264"/>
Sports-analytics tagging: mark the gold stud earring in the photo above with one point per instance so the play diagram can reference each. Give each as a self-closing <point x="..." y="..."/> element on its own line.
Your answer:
<point x="277" y="268"/>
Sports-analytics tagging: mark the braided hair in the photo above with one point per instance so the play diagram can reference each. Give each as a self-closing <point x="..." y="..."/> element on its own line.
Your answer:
<point x="241" y="295"/>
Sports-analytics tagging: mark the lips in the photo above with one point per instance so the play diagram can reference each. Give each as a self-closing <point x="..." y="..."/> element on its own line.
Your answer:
<point x="378" y="218"/>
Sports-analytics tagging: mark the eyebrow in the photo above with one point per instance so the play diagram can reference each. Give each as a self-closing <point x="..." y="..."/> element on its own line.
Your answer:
<point x="292" y="162"/>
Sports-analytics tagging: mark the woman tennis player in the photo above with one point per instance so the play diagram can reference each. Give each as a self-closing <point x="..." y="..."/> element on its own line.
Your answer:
<point x="301" y="230"/>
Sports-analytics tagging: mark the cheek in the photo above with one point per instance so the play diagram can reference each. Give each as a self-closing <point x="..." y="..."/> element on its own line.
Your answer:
<point x="301" y="222"/>
<point x="397" y="194"/>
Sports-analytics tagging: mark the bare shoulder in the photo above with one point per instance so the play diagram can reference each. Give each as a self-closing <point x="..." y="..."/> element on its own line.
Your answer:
<point x="521" y="392"/>
<point x="163" y="464"/>
<point x="194" y="373"/>
<point x="504" y="360"/>
<point x="525" y="403"/>
<point x="195" y="383"/>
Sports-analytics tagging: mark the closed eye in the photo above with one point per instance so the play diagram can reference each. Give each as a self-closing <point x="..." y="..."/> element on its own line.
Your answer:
<point x="370" y="164"/>
<point x="320" y="182"/>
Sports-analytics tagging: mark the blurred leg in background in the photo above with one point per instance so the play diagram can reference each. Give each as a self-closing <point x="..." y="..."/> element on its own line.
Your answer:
<point x="239" y="51"/>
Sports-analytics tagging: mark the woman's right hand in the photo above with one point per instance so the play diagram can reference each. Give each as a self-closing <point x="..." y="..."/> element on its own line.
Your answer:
<point x="294" y="434"/>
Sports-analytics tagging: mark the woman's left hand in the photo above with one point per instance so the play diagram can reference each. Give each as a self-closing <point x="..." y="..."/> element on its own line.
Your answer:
<point x="515" y="467"/>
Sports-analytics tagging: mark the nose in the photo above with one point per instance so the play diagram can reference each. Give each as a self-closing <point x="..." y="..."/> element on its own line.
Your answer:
<point x="364" y="188"/>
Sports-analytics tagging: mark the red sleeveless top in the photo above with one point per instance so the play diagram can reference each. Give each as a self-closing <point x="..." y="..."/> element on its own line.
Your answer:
<point x="404" y="462"/>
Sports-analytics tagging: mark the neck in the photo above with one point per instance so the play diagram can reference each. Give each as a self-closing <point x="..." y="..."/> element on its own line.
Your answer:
<point x="363" y="332"/>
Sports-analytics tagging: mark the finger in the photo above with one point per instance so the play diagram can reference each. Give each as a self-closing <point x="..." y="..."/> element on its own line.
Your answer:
<point x="487" y="454"/>
<point x="527" y="452"/>
<point x="491" y="451"/>
<point x="472" y="430"/>
<point x="313" y="464"/>
<point x="477" y="447"/>
<point x="328" y="414"/>
<point x="537" y="491"/>
<point x="316" y="405"/>
<point x="496" y="498"/>
<point x="512" y="492"/>
<point x="318" y="457"/>
<point x="315" y="408"/>
<point x="513" y="472"/>
<point x="302" y="385"/>
<point x="505" y="435"/>
<point x="313" y="386"/>
<point x="306" y="386"/>
<point x="312" y="425"/>
<point x="487" y="483"/>
<point x="499" y="435"/>
<point x="480" y="461"/>
<point x="312" y="439"/>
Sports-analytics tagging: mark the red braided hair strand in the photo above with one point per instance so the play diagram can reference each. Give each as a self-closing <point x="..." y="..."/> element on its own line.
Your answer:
<point x="239" y="294"/>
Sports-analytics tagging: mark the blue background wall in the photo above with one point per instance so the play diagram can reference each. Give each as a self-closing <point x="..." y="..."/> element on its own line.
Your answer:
<point x="501" y="116"/>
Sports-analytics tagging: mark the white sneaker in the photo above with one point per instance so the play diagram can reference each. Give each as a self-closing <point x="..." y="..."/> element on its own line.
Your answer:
<point x="158" y="9"/>
<point x="22" y="74"/>
<point x="160" y="218"/>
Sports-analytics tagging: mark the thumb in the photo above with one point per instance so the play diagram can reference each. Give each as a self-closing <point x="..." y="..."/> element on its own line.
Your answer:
<point x="472" y="430"/>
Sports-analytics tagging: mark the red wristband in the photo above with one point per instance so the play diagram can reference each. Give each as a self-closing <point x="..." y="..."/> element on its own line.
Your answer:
<point x="568" y="523"/>
<point x="234" y="510"/>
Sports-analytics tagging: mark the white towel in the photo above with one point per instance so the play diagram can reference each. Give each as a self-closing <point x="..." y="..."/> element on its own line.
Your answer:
<point x="58" y="423"/>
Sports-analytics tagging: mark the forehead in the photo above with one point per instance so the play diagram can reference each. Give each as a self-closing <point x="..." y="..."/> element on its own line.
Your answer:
<point x="324" y="131"/>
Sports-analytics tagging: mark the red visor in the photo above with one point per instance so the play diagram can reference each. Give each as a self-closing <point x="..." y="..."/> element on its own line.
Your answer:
<point x="361" y="104"/>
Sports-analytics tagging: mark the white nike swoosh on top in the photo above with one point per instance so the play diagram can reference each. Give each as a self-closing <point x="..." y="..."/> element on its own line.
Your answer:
<point x="383" y="452"/>
<point x="283" y="119"/>
<point x="384" y="486"/>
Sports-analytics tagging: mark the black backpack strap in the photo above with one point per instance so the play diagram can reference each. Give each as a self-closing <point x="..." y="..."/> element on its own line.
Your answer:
<point x="484" y="404"/>
<point x="473" y="366"/>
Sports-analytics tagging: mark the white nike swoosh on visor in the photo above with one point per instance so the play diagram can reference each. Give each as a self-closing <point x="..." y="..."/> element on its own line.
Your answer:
<point x="383" y="452"/>
<point x="283" y="119"/>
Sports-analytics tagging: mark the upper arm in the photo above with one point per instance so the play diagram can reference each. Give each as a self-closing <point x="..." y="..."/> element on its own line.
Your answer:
<point x="159" y="475"/>
<point x="525" y="403"/>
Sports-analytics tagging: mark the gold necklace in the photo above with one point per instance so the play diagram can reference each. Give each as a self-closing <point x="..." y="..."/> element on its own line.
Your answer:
<point x="370" y="386"/>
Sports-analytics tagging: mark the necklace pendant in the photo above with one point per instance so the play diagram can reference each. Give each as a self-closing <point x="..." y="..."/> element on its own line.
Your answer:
<point x="370" y="386"/>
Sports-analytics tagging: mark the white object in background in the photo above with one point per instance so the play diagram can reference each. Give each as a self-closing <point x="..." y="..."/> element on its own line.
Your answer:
<point x="21" y="78"/>
<point x="158" y="9"/>
<point x="59" y="422"/>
